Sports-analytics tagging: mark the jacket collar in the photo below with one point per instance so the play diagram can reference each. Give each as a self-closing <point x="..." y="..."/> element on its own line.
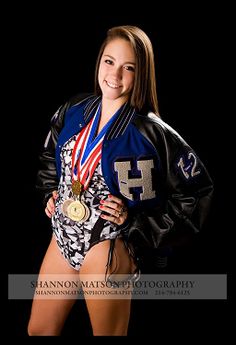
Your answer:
<point x="119" y="126"/>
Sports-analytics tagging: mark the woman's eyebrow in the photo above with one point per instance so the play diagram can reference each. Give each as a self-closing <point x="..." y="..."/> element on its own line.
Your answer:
<point x="111" y="57"/>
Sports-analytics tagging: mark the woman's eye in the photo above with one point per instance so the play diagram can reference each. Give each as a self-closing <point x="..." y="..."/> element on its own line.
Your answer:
<point x="129" y="68"/>
<point x="109" y="62"/>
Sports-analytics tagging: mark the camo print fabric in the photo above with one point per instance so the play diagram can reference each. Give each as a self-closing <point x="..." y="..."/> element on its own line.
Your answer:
<point x="73" y="238"/>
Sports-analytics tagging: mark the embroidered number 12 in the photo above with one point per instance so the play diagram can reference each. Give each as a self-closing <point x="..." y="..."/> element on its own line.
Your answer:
<point x="189" y="168"/>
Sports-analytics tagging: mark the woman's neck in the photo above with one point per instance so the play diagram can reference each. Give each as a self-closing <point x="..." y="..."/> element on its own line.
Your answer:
<point x="108" y="109"/>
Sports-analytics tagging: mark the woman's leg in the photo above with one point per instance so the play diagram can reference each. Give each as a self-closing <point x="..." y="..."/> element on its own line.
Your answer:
<point x="108" y="316"/>
<point x="48" y="315"/>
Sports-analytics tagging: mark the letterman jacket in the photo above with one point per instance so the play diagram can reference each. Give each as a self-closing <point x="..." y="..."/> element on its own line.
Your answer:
<point x="164" y="184"/>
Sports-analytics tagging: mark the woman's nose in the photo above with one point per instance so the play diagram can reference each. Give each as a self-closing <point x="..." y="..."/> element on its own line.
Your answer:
<point x="117" y="72"/>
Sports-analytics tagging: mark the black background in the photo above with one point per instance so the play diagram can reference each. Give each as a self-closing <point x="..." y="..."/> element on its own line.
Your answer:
<point x="52" y="57"/>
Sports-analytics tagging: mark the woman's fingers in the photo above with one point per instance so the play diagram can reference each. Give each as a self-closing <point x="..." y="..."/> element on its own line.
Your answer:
<point x="114" y="199"/>
<point x="55" y="194"/>
<point x="115" y="209"/>
<point x="48" y="213"/>
<point x="50" y="207"/>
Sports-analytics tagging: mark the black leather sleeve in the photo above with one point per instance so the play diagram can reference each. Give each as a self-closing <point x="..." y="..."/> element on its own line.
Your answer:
<point x="186" y="188"/>
<point x="47" y="179"/>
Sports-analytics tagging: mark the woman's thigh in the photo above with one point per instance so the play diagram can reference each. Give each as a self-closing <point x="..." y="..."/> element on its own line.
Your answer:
<point x="96" y="259"/>
<point x="48" y="314"/>
<point x="108" y="315"/>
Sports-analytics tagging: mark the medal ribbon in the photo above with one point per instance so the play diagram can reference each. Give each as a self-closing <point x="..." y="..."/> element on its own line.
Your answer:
<point x="88" y="150"/>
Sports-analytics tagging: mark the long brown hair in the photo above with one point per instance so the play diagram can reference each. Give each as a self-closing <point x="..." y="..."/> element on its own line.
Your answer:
<point x="144" y="94"/>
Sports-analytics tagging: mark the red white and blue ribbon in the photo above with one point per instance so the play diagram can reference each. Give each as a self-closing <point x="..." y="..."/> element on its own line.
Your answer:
<point x="88" y="150"/>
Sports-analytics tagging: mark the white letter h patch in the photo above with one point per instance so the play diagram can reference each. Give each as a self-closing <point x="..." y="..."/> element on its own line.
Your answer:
<point x="145" y="181"/>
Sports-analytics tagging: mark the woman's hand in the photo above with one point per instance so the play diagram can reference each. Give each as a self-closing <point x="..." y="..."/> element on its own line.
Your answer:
<point x="117" y="212"/>
<point x="50" y="207"/>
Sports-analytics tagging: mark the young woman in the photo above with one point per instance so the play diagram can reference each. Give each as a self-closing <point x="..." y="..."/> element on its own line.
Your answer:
<point x="116" y="180"/>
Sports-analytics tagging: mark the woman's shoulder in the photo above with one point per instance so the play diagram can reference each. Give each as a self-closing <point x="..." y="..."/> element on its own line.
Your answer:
<point x="78" y="105"/>
<point x="67" y="108"/>
<point x="153" y="123"/>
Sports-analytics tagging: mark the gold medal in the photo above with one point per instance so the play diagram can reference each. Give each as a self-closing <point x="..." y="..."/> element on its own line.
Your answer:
<point x="74" y="208"/>
<point x="76" y="187"/>
<point x="65" y="205"/>
<point x="76" y="211"/>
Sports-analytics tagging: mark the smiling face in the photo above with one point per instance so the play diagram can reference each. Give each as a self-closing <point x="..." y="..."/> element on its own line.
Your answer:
<point x="117" y="70"/>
